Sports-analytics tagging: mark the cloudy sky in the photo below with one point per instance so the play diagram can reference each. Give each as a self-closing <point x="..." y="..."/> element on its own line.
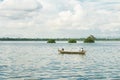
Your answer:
<point x="59" y="18"/>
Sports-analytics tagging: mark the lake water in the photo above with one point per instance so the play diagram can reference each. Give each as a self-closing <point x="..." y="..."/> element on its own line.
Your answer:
<point x="41" y="61"/>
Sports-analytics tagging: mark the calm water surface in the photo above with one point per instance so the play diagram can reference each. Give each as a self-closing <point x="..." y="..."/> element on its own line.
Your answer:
<point x="41" y="61"/>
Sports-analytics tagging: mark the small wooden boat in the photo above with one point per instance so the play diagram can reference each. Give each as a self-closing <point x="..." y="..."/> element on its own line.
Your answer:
<point x="71" y="52"/>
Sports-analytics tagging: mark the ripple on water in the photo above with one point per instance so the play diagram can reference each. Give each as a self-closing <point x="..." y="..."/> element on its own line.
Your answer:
<point x="19" y="61"/>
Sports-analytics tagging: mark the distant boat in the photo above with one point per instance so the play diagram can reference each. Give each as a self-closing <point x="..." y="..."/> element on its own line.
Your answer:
<point x="71" y="52"/>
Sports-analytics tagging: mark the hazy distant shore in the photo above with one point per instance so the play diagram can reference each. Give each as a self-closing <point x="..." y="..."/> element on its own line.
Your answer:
<point x="57" y="39"/>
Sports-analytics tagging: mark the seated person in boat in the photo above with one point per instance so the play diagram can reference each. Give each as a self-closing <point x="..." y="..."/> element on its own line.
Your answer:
<point x="82" y="50"/>
<point x="62" y="49"/>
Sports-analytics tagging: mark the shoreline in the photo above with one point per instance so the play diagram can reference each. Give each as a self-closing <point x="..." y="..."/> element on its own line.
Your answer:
<point x="56" y="39"/>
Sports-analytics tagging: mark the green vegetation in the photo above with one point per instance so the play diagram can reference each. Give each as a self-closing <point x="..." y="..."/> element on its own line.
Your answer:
<point x="90" y="39"/>
<point x="56" y="39"/>
<point x="72" y="41"/>
<point x="51" y="41"/>
<point x="37" y="39"/>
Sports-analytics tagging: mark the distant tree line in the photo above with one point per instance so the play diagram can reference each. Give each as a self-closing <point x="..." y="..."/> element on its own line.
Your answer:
<point x="90" y="38"/>
<point x="38" y="39"/>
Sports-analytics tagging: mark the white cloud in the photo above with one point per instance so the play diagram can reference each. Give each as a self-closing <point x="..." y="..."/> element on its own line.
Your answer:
<point x="18" y="5"/>
<point x="38" y="18"/>
<point x="18" y="9"/>
<point x="69" y="17"/>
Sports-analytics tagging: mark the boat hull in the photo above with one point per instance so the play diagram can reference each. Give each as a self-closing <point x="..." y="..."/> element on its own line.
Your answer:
<point x="71" y="52"/>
